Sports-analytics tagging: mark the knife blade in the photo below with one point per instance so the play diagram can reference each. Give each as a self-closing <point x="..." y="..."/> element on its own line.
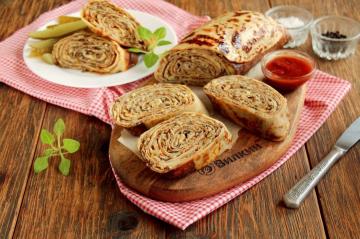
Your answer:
<point x="295" y="196"/>
<point x="350" y="136"/>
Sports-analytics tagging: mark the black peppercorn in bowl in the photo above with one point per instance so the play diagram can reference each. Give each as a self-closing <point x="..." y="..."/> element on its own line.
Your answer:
<point x="335" y="37"/>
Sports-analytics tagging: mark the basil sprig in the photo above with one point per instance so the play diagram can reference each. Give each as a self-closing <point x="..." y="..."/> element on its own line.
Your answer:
<point x="154" y="39"/>
<point x="57" y="147"/>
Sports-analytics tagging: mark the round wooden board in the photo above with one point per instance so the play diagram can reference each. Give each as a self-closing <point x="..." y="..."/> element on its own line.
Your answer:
<point x="249" y="157"/>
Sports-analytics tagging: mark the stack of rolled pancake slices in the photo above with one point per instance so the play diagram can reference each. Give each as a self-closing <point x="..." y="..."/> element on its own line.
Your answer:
<point x="103" y="46"/>
<point x="176" y="134"/>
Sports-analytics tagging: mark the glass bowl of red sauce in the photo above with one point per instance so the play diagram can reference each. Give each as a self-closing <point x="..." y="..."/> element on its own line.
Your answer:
<point x="287" y="69"/>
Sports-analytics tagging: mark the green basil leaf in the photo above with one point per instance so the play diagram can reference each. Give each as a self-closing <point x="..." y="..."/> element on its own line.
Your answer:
<point x="59" y="127"/>
<point x="136" y="50"/>
<point x="46" y="137"/>
<point x="41" y="163"/>
<point x="164" y="43"/>
<point x="144" y="33"/>
<point x="160" y="33"/>
<point x="64" y="166"/>
<point x="71" y="145"/>
<point x="150" y="59"/>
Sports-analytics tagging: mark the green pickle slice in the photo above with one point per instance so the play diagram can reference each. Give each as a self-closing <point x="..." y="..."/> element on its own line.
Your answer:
<point x="59" y="30"/>
<point x="48" y="58"/>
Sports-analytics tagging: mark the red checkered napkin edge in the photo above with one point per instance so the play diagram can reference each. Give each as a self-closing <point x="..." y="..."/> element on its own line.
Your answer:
<point x="324" y="93"/>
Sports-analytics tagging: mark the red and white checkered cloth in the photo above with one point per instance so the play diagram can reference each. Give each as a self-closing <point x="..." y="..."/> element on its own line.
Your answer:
<point x="324" y="93"/>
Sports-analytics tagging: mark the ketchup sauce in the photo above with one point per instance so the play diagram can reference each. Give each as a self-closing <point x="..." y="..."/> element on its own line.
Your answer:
<point x="289" y="66"/>
<point x="287" y="72"/>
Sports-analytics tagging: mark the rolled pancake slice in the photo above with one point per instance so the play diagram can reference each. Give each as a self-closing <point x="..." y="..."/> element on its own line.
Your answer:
<point x="144" y="107"/>
<point x="183" y="143"/>
<point x="252" y="104"/>
<point x="106" y="19"/>
<point x="87" y="51"/>
<point x="229" y="44"/>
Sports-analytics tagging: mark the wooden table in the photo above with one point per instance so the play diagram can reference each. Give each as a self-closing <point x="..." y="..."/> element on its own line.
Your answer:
<point x="88" y="204"/>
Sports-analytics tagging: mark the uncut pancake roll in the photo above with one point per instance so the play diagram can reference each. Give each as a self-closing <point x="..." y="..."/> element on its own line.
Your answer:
<point x="229" y="44"/>
<point x="87" y="51"/>
<point x="183" y="144"/>
<point x="144" y="107"/>
<point x="106" y="19"/>
<point x="252" y="104"/>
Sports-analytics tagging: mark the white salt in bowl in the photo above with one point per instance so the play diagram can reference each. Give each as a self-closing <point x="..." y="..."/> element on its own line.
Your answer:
<point x="295" y="19"/>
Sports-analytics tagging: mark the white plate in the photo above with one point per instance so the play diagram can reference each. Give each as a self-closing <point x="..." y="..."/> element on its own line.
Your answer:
<point x="76" y="78"/>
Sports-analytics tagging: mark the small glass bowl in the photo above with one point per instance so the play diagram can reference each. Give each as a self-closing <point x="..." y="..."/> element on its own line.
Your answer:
<point x="333" y="48"/>
<point x="287" y="83"/>
<point x="298" y="34"/>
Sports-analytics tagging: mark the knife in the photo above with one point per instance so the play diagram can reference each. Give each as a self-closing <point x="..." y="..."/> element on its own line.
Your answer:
<point x="294" y="197"/>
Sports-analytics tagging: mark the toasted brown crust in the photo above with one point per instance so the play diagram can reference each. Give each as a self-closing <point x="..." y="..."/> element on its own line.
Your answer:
<point x="251" y="104"/>
<point x="229" y="44"/>
<point x="243" y="68"/>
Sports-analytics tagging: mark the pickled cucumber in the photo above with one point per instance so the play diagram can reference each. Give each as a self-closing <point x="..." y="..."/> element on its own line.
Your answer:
<point x="59" y="30"/>
<point x="52" y="26"/>
<point x="35" y="53"/>
<point x="67" y="19"/>
<point x="64" y="19"/>
<point x="48" y="58"/>
<point x="40" y="47"/>
<point x="45" y="44"/>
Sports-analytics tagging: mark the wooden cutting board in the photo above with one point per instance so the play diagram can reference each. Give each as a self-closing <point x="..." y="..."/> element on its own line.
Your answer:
<point x="249" y="157"/>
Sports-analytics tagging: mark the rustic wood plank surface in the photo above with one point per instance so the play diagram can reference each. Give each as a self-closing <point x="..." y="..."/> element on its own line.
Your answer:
<point x="88" y="204"/>
<point x="20" y="122"/>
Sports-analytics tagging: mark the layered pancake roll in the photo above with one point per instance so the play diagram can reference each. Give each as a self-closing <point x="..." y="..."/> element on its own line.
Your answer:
<point x="87" y="51"/>
<point x="106" y="19"/>
<point x="144" y="107"/>
<point x="252" y="104"/>
<point x="184" y="143"/>
<point x="229" y="44"/>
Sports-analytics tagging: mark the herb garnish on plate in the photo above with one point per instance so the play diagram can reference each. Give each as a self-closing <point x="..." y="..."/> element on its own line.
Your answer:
<point x="154" y="39"/>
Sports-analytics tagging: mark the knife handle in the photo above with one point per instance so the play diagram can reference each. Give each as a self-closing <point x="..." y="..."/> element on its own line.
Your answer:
<point x="294" y="197"/>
